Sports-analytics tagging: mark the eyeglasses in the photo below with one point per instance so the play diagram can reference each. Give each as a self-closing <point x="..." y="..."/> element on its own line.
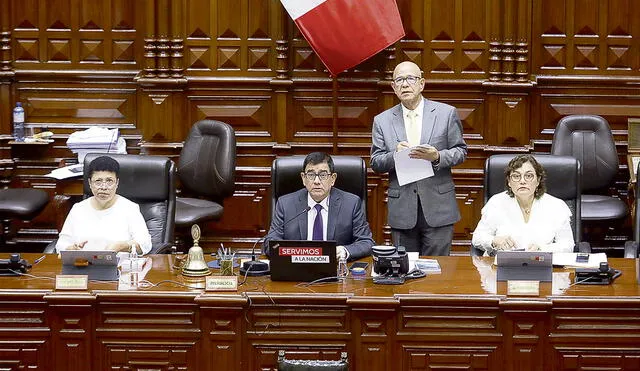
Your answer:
<point x="516" y="177"/>
<point x="107" y="183"/>
<point x="311" y="176"/>
<point x="409" y="79"/>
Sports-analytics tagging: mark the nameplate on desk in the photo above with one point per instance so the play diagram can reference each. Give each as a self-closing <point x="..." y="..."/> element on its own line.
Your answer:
<point x="523" y="288"/>
<point x="72" y="282"/>
<point x="221" y="283"/>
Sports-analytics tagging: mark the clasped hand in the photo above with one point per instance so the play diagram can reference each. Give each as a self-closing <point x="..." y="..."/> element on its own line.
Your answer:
<point x="116" y="246"/>
<point x="423" y="151"/>
<point x="506" y="243"/>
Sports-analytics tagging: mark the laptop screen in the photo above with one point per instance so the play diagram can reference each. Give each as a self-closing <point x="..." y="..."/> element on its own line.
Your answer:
<point x="302" y="260"/>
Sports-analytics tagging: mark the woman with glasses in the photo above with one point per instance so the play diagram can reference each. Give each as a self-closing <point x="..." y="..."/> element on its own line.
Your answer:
<point x="105" y="221"/>
<point x="524" y="217"/>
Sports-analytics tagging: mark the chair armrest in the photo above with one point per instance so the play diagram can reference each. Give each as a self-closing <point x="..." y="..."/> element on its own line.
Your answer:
<point x="584" y="247"/>
<point x="163" y="248"/>
<point x="631" y="249"/>
<point x="51" y="247"/>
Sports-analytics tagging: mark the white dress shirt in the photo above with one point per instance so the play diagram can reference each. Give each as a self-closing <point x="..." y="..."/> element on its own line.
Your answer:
<point x="549" y="224"/>
<point x="100" y="228"/>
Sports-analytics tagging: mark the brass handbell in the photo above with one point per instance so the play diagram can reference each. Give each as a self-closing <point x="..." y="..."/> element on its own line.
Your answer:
<point x="195" y="266"/>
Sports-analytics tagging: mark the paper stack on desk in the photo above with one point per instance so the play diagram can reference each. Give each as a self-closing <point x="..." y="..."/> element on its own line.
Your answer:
<point x="96" y="140"/>
<point x="70" y="171"/>
<point x="568" y="260"/>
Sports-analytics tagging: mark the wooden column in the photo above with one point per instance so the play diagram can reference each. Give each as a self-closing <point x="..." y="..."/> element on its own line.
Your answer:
<point x="495" y="41"/>
<point x="177" y="38"/>
<point x="163" y="20"/>
<point x="150" y="39"/>
<point x="282" y="82"/>
<point x="6" y="69"/>
<point x="508" y="41"/>
<point x="522" y="41"/>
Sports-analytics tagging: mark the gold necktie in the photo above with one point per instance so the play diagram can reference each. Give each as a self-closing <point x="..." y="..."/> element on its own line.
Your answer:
<point x="414" y="132"/>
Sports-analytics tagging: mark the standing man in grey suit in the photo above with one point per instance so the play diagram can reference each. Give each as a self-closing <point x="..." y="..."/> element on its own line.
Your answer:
<point x="421" y="214"/>
<point x="331" y="214"/>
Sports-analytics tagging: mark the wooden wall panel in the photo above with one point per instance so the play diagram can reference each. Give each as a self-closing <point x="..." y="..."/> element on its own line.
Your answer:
<point x="512" y="68"/>
<point x="75" y="34"/>
<point x="587" y="37"/>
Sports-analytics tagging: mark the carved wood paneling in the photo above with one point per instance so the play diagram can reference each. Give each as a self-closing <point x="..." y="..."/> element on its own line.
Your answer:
<point x="586" y="37"/>
<point x="76" y="35"/>
<point x="448" y="39"/>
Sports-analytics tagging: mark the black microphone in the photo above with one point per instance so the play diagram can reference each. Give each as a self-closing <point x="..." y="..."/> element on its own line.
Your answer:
<point x="258" y="268"/>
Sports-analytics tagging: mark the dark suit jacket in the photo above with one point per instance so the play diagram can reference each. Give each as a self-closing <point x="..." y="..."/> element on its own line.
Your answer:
<point x="347" y="224"/>
<point x="442" y="129"/>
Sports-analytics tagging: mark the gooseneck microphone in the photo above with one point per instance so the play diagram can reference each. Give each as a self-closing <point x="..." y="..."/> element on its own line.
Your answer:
<point x="258" y="268"/>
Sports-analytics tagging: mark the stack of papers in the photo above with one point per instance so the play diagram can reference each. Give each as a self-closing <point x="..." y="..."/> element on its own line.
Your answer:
<point x="568" y="260"/>
<point x="409" y="170"/>
<point x="70" y="171"/>
<point x="96" y="140"/>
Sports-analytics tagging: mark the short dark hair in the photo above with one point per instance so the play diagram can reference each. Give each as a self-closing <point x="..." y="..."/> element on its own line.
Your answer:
<point x="315" y="158"/>
<point x="517" y="163"/>
<point x="103" y="163"/>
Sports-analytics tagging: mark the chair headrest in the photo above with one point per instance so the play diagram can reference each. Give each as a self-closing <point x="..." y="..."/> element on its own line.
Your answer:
<point x="207" y="163"/>
<point x="142" y="178"/>
<point x="563" y="181"/>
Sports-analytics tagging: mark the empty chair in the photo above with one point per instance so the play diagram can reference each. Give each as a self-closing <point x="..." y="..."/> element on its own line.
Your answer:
<point x="351" y="170"/>
<point x="285" y="364"/>
<point x="148" y="181"/>
<point x="563" y="182"/>
<point x="588" y="138"/>
<point x="21" y="204"/>
<point x="206" y="169"/>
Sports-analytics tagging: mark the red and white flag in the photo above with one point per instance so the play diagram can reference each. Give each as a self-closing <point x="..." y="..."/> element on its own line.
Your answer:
<point x="344" y="33"/>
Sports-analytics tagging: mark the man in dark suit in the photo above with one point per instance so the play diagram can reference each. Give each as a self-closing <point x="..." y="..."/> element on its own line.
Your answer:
<point x="421" y="214"/>
<point x="333" y="214"/>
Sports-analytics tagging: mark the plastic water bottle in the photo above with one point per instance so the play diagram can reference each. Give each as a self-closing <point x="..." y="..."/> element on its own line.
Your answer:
<point x="343" y="271"/>
<point x="134" y="267"/>
<point x="18" y="122"/>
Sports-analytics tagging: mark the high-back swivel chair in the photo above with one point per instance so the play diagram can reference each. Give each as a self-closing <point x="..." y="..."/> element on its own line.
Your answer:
<point x="588" y="138"/>
<point x="206" y="169"/>
<point x="563" y="182"/>
<point x="351" y="170"/>
<point x="148" y="181"/>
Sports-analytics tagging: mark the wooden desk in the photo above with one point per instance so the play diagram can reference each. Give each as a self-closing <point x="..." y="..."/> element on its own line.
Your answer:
<point x="455" y="320"/>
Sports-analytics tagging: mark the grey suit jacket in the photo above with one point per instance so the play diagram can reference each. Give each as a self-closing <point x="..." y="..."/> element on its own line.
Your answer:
<point x="347" y="224"/>
<point x="442" y="129"/>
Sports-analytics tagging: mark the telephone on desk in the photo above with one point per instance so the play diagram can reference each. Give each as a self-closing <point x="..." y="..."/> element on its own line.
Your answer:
<point x="13" y="266"/>
<point x="604" y="275"/>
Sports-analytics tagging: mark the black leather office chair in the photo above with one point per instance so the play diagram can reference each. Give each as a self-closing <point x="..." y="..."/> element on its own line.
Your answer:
<point x="21" y="204"/>
<point x="588" y="138"/>
<point x="312" y="365"/>
<point x="351" y="170"/>
<point x="563" y="182"/>
<point x="148" y="181"/>
<point x="206" y="169"/>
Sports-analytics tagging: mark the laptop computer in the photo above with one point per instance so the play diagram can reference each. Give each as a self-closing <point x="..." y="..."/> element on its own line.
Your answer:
<point x="98" y="265"/>
<point x="302" y="260"/>
<point x="524" y="266"/>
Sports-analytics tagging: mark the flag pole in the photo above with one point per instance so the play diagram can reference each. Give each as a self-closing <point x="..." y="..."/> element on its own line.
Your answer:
<point x="334" y="103"/>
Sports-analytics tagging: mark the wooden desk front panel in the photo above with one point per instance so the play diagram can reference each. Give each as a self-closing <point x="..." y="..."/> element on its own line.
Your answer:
<point x="447" y="321"/>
